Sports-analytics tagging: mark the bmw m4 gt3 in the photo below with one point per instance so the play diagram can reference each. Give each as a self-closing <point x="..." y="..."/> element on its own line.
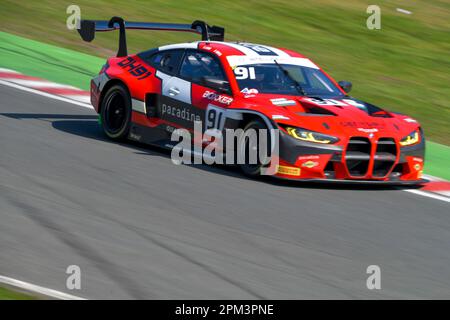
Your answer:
<point x="325" y="134"/>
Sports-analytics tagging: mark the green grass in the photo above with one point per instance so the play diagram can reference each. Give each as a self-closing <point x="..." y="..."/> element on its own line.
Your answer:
<point x="404" y="67"/>
<point x="7" y="294"/>
<point x="437" y="160"/>
<point x="47" y="61"/>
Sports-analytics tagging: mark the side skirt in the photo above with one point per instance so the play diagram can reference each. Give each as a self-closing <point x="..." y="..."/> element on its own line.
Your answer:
<point x="158" y="137"/>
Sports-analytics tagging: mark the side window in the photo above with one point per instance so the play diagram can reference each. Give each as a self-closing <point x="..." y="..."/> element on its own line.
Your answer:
<point x="197" y="65"/>
<point x="166" y="61"/>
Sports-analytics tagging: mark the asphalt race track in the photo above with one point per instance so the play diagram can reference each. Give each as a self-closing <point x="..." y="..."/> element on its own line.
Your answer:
<point x="141" y="227"/>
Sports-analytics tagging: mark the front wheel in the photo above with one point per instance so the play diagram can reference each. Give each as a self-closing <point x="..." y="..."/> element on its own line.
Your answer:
<point x="116" y="112"/>
<point x="253" y="148"/>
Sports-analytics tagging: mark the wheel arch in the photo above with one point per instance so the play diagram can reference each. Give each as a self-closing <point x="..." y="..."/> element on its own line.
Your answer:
<point x="250" y="115"/>
<point x="108" y="85"/>
<point x="246" y="116"/>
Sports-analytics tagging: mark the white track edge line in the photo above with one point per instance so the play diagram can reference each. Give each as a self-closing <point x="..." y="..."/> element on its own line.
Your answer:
<point x="38" y="289"/>
<point x="428" y="194"/>
<point x="40" y="84"/>
<point x="433" y="178"/>
<point x="5" y="70"/>
<point x="45" y="94"/>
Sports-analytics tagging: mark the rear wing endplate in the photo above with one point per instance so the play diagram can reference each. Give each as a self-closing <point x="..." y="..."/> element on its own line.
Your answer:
<point x="89" y="27"/>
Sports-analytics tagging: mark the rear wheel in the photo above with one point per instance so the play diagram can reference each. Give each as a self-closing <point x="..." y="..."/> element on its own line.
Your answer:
<point x="116" y="112"/>
<point x="249" y="153"/>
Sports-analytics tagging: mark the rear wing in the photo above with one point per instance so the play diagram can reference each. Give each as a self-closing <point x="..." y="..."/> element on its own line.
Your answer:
<point x="88" y="28"/>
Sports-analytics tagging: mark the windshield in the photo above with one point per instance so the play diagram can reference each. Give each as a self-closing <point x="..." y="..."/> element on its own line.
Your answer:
<point x="271" y="78"/>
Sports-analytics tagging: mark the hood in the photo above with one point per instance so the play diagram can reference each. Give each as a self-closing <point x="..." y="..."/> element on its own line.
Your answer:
<point x="345" y="116"/>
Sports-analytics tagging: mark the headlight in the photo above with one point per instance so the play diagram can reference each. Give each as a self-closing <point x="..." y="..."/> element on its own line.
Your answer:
<point x="410" y="139"/>
<point x="311" y="136"/>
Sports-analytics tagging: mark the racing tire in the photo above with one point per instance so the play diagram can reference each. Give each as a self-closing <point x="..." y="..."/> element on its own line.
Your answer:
<point x="246" y="143"/>
<point x="115" y="113"/>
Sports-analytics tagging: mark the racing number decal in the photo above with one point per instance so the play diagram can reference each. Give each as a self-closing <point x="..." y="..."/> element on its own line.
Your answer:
<point x="135" y="69"/>
<point x="215" y="118"/>
<point x="243" y="73"/>
<point x="354" y="103"/>
<point x="326" y="102"/>
<point x="263" y="51"/>
<point x="332" y="102"/>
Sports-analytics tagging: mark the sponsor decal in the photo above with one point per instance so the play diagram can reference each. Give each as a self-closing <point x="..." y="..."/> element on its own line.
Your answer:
<point x="410" y="120"/>
<point x="368" y="130"/>
<point x="279" y="117"/>
<point x="249" y="91"/>
<point x="292" y="171"/>
<point x="281" y="102"/>
<point x="417" y="159"/>
<point x="325" y="102"/>
<point x="235" y="61"/>
<point x="135" y="136"/>
<point x="179" y="112"/>
<point x="259" y="49"/>
<point x="417" y="166"/>
<point x="210" y="95"/>
<point x="333" y="102"/>
<point x="217" y="52"/>
<point x="134" y="68"/>
<point x="310" y="164"/>
<point x="366" y="124"/>
<point x="170" y="129"/>
<point x="308" y="157"/>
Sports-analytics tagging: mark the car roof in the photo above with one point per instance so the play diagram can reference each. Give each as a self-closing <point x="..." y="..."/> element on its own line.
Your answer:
<point x="234" y="48"/>
<point x="240" y="53"/>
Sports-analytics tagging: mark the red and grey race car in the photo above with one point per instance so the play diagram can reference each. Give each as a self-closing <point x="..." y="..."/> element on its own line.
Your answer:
<point x="325" y="134"/>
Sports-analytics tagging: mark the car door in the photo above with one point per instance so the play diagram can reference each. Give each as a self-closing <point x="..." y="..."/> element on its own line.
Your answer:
<point x="207" y="100"/>
<point x="173" y="104"/>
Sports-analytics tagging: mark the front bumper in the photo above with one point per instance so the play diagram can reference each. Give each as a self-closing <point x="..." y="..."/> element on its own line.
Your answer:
<point x="393" y="183"/>
<point x="359" y="160"/>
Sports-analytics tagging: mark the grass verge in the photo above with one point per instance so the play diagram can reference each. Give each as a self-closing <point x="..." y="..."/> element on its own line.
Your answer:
<point x="47" y="61"/>
<point x="8" y="294"/>
<point x="437" y="160"/>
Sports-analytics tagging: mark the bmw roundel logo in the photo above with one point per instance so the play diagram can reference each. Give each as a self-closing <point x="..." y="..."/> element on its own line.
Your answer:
<point x="371" y="135"/>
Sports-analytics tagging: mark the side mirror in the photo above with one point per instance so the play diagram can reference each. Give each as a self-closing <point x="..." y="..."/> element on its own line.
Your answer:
<point x="217" y="84"/>
<point x="346" y="86"/>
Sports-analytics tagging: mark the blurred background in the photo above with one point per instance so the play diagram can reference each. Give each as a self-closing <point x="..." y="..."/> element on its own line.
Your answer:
<point x="404" y="67"/>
